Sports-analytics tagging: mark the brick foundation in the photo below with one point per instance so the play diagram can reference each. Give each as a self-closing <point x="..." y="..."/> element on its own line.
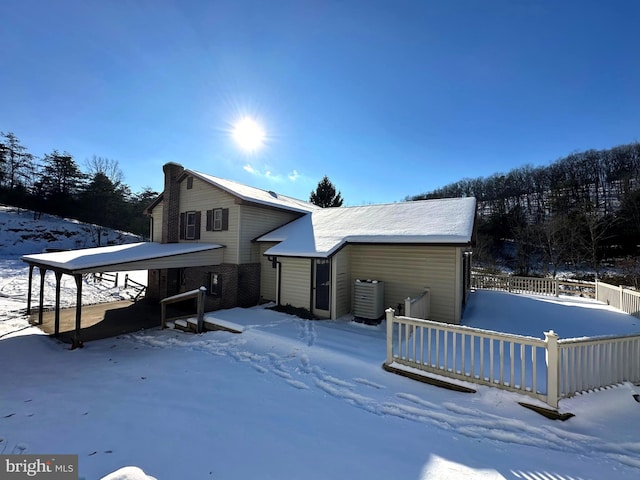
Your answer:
<point x="240" y="284"/>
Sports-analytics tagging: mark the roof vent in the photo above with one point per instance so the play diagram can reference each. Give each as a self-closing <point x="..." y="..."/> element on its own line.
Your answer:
<point x="273" y="194"/>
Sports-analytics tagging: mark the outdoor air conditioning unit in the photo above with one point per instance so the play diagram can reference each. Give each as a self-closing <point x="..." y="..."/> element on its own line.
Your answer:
<point x="368" y="299"/>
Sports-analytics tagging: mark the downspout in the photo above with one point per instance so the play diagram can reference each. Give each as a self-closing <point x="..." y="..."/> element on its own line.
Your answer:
<point x="278" y="281"/>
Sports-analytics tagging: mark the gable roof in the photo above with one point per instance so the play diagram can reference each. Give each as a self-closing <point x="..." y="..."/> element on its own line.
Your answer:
<point x="255" y="195"/>
<point x="246" y="193"/>
<point x="323" y="231"/>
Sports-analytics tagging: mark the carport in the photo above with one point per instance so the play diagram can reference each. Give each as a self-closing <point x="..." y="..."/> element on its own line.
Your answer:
<point x="116" y="258"/>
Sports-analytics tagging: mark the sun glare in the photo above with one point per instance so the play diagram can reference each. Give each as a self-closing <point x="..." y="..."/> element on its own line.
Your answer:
<point x="248" y="134"/>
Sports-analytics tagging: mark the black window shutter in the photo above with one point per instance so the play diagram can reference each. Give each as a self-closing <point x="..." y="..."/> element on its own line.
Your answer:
<point x="225" y="219"/>
<point x="183" y="225"/>
<point x="198" y="215"/>
<point x="209" y="226"/>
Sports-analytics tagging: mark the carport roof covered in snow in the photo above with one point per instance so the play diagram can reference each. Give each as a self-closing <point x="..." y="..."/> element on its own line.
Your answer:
<point x="134" y="256"/>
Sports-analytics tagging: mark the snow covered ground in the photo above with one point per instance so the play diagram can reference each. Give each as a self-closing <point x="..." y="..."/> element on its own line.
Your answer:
<point x="291" y="398"/>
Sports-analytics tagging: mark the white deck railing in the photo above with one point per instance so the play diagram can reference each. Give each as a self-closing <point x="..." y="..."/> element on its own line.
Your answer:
<point x="588" y="364"/>
<point x="621" y="298"/>
<point x="547" y="370"/>
<point x="418" y="307"/>
<point x="535" y="285"/>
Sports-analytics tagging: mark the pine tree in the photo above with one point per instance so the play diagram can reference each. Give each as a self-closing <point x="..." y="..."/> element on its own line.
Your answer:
<point x="60" y="182"/>
<point x="325" y="194"/>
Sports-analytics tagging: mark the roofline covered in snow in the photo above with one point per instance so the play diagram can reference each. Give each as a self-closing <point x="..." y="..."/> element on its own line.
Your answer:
<point x="132" y="256"/>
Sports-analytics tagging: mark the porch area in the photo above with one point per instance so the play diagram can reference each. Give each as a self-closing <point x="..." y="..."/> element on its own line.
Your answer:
<point x="540" y="345"/>
<point x="100" y="321"/>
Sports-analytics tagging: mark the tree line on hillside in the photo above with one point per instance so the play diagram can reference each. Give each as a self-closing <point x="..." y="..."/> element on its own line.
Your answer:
<point x="56" y="184"/>
<point x="577" y="211"/>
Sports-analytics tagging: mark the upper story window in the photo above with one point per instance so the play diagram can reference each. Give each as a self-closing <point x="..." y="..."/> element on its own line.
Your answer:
<point x="190" y="225"/>
<point x="189" y="183"/>
<point x="217" y="219"/>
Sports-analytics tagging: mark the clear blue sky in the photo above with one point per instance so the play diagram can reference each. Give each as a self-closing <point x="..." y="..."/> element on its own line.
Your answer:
<point x="388" y="98"/>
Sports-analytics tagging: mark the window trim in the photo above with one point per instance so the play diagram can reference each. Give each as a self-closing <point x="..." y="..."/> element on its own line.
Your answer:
<point x="217" y="220"/>
<point x="190" y="215"/>
<point x="215" y="284"/>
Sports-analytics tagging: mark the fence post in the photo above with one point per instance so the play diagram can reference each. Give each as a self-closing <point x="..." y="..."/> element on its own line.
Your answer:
<point x="389" y="316"/>
<point x="551" y="339"/>
<point x="126" y="279"/>
<point x="407" y="307"/>
<point x="556" y="287"/>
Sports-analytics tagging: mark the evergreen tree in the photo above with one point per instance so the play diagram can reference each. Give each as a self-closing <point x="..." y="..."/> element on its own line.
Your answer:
<point x="102" y="203"/>
<point x="15" y="162"/>
<point x="60" y="182"/>
<point x="325" y="194"/>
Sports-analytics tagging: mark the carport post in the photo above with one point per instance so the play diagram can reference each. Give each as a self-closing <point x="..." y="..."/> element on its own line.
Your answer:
<point x="57" y="317"/>
<point x="43" y="272"/>
<point x="76" y="336"/>
<point x="29" y="292"/>
<point x="202" y="292"/>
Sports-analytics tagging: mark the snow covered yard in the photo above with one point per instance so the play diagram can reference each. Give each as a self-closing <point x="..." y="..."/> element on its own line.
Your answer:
<point x="290" y="398"/>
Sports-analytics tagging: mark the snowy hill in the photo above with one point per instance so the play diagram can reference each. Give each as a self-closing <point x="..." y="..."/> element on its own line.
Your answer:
<point x="24" y="231"/>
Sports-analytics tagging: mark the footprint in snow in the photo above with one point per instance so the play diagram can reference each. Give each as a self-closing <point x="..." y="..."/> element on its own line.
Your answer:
<point x="369" y="383"/>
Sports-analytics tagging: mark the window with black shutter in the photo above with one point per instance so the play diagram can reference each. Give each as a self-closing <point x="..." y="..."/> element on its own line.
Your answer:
<point x="217" y="219"/>
<point x="190" y="225"/>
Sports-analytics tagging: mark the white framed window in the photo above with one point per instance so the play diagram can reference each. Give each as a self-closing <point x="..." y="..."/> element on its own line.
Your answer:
<point x="215" y="284"/>
<point x="217" y="219"/>
<point x="190" y="233"/>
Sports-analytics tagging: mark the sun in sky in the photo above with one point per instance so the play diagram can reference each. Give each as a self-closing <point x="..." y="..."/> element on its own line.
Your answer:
<point x="248" y="134"/>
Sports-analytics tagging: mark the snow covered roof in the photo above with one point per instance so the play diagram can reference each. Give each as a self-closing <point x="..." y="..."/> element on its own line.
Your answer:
<point x="322" y="232"/>
<point x="256" y="195"/>
<point x="114" y="257"/>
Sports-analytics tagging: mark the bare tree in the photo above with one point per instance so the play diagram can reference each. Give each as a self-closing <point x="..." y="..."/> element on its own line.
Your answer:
<point x="104" y="166"/>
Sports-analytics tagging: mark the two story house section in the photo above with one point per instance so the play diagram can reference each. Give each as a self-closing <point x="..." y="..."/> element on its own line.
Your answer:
<point x="199" y="208"/>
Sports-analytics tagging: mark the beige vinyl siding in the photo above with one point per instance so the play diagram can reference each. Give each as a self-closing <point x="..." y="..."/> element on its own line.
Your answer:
<point x="256" y="221"/>
<point x="156" y="216"/>
<point x="295" y="282"/>
<point x="407" y="270"/>
<point x="341" y="284"/>
<point x="268" y="274"/>
<point x="204" y="196"/>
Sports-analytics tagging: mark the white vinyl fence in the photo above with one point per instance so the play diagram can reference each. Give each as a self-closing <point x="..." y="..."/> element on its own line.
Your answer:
<point x="418" y="307"/>
<point x="547" y="370"/>
<point x="535" y="285"/>
<point x="621" y="298"/>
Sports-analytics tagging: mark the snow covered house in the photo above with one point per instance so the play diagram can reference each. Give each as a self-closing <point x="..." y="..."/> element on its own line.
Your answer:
<point x="267" y="246"/>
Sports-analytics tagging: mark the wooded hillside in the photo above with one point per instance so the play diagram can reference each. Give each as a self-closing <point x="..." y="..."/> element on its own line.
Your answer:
<point x="577" y="211"/>
<point x="56" y="184"/>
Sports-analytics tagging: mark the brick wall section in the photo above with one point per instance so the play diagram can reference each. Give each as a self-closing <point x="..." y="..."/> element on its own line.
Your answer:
<point x="248" y="284"/>
<point x="171" y="209"/>
<point x="154" y="290"/>
<point x="240" y="284"/>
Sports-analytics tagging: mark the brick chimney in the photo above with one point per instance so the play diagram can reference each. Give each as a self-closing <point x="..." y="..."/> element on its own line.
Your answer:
<point x="171" y="203"/>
